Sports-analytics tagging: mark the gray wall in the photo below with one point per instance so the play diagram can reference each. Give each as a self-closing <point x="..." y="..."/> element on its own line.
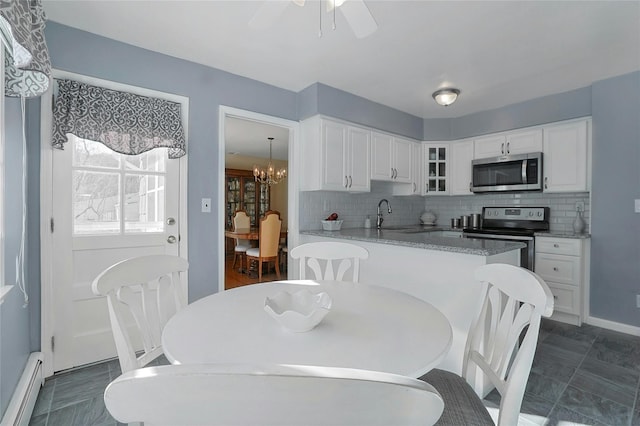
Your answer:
<point x="14" y="316"/>
<point x="615" y="243"/>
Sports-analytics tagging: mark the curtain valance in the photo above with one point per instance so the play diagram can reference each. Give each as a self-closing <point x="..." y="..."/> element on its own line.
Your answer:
<point x="125" y="122"/>
<point x="27" y="67"/>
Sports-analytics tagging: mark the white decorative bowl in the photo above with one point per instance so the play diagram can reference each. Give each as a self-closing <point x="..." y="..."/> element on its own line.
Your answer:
<point x="299" y="311"/>
<point x="332" y="225"/>
<point x="428" y="218"/>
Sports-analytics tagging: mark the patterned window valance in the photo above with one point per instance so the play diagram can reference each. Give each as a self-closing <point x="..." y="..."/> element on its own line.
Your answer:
<point x="27" y="66"/>
<point x="125" y="122"/>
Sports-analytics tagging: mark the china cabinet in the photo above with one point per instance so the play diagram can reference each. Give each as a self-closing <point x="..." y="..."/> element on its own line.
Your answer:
<point x="243" y="192"/>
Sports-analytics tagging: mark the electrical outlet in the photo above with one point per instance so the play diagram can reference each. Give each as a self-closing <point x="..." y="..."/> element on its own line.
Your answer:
<point x="580" y="206"/>
<point x="637" y="300"/>
<point x="206" y="205"/>
<point x="637" y="206"/>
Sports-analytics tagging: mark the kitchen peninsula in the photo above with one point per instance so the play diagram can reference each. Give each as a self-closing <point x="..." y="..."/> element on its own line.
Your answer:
<point x="433" y="264"/>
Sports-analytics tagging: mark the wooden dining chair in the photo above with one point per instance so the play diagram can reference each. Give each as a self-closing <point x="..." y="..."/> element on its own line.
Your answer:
<point x="514" y="299"/>
<point x="240" y="220"/>
<point x="142" y="293"/>
<point x="268" y="247"/>
<point x="237" y="394"/>
<point x="346" y="256"/>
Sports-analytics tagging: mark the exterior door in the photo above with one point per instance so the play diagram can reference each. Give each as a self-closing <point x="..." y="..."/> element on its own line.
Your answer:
<point x="106" y="207"/>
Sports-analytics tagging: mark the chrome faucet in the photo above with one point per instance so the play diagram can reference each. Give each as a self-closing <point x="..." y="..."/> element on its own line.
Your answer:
<point x="379" y="219"/>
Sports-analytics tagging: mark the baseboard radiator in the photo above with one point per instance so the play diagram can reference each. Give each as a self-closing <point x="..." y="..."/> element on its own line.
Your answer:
<point x="24" y="397"/>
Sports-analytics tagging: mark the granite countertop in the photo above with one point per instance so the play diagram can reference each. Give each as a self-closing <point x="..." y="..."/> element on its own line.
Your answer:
<point x="562" y="234"/>
<point x="429" y="238"/>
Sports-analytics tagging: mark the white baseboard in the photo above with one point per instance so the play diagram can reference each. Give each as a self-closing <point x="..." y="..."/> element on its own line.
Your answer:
<point x="26" y="393"/>
<point x="615" y="326"/>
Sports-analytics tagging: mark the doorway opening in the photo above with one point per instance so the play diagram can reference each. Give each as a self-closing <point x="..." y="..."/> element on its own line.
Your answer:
<point x="244" y="144"/>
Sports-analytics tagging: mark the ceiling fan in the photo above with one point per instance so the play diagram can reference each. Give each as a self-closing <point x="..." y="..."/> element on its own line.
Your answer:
<point x="355" y="12"/>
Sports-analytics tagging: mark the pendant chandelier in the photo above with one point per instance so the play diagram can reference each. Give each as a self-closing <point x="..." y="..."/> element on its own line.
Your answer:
<point x="269" y="176"/>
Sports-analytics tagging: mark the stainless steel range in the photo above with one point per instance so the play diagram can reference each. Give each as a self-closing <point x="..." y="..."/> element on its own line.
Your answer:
<point x="513" y="224"/>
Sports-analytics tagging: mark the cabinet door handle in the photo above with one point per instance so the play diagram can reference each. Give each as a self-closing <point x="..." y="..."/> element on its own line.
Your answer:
<point x="470" y="186"/>
<point x="414" y="187"/>
<point x="395" y="173"/>
<point x="346" y="182"/>
<point x="350" y="181"/>
<point x="556" y="245"/>
<point x="508" y="150"/>
<point x="555" y="268"/>
<point x="391" y="173"/>
<point x="546" y="182"/>
<point x="427" y="186"/>
<point x="502" y="148"/>
<point x="555" y="297"/>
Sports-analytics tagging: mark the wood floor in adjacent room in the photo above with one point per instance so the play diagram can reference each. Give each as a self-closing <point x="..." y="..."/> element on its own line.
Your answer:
<point x="233" y="278"/>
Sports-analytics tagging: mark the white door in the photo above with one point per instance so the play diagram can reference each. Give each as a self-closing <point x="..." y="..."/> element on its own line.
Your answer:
<point x="106" y="207"/>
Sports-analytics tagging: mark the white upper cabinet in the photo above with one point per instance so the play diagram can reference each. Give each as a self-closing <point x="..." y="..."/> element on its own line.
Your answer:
<point x="390" y="158"/>
<point x="415" y="187"/>
<point x="565" y="157"/>
<point x="357" y="161"/>
<point x="435" y="169"/>
<point x="335" y="156"/>
<point x="517" y="142"/>
<point x="460" y="158"/>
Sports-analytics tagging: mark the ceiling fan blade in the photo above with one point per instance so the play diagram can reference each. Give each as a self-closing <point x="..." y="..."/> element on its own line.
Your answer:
<point x="267" y="14"/>
<point x="359" y="18"/>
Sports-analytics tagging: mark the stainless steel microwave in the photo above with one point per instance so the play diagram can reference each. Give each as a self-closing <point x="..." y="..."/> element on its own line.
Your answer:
<point x="520" y="172"/>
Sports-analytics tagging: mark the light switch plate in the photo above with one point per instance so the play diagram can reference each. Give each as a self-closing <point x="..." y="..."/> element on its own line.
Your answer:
<point x="206" y="205"/>
<point x="637" y="206"/>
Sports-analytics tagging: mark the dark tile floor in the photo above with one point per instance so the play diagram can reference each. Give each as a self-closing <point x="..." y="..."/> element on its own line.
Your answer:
<point x="580" y="375"/>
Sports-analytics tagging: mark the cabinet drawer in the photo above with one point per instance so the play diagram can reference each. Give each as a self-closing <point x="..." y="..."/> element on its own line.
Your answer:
<point x="566" y="246"/>
<point x="558" y="268"/>
<point x="565" y="298"/>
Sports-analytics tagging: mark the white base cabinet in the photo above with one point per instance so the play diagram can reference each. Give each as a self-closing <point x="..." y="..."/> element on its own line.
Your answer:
<point x="563" y="264"/>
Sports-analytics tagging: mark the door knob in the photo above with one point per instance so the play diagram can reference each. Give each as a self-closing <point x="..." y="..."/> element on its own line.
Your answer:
<point x="171" y="221"/>
<point x="171" y="239"/>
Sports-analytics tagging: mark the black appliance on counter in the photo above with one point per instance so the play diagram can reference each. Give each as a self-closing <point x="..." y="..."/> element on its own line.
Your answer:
<point x="513" y="224"/>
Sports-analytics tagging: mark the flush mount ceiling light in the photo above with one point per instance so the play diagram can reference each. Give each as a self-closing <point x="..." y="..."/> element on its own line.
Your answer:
<point x="446" y="97"/>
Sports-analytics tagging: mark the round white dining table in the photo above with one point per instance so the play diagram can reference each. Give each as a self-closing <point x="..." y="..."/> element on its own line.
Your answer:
<point x="368" y="327"/>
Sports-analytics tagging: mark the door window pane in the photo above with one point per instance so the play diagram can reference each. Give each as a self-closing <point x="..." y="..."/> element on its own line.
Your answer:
<point x="94" y="154"/>
<point x="150" y="161"/>
<point x="144" y="203"/>
<point x="96" y="202"/>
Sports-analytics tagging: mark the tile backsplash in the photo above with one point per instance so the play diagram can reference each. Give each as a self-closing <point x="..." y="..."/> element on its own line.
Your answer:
<point x="354" y="208"/>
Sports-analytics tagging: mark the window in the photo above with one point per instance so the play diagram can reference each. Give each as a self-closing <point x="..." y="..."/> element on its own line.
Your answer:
<point x="115" y="193"/>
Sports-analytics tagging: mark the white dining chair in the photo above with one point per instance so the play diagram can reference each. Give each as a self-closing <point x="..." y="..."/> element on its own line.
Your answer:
<point x="238" y="394"/>
<point x="240" y="221"/>
<point x="142" y="293"/>
<point x="346" y="256"/>
<point x="514" y="299"/>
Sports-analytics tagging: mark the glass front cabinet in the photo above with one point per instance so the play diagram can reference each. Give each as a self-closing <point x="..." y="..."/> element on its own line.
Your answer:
<point x="243" y="192"/>
<point x="436" y="169"/>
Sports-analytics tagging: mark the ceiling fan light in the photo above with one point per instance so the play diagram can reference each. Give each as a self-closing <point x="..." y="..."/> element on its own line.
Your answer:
<point x="331" y="4"/>
<point x="446" y="96"/>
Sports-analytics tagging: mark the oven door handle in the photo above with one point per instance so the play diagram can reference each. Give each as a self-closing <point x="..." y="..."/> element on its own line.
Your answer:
<point x="498" y="237"/>
<point x="524" y="171"/>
